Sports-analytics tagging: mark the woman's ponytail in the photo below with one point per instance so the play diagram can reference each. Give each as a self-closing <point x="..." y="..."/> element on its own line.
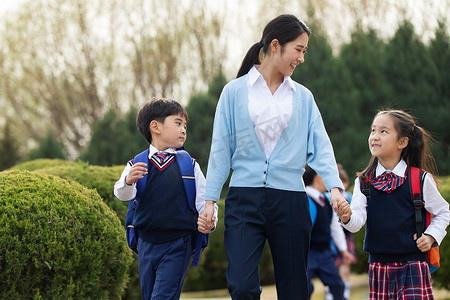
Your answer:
<point x="250" y="59"/>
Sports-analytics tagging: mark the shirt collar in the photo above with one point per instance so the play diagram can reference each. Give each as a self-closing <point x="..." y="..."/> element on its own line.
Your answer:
<point x="398" y="170"/>
<point x="153" y="150"/>
<point x="254" y="75"/>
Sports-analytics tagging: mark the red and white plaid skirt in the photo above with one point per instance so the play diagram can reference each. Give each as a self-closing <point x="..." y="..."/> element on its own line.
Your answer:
<point x="400" y="281"/>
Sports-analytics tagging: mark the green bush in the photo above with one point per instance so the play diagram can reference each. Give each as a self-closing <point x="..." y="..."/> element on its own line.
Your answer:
<point x="37" y="164"/>
<point x="58" y="240"/>
<point x="440" y="277"/>
<point x="101" y="179"/>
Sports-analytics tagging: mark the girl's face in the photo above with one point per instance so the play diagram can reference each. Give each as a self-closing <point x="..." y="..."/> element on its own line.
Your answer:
<point x="384" y="142"/>
<point x="293" y="54"/>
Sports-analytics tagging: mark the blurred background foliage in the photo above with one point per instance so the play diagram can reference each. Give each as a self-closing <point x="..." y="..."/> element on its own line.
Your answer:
<point x="73" y="74"/>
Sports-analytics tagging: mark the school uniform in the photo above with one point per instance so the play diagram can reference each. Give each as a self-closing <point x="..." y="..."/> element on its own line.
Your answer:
<point x="266" y="140"/>
<point x="393" y="254"/>
<point x="165" y="223"/>
<point x="325" y="229"/>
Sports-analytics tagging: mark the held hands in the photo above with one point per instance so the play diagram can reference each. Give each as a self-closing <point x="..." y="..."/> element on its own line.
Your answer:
<point x="340" y="205"/>
<point x="206" y="219"/>
<point x="202" y="224"/>
<point x="425" y="242"/>
<point x="137" y="171"/>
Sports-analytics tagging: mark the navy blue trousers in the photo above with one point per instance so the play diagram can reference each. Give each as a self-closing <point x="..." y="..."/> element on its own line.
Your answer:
<point x="254" y="215"/>
<point x="321" y="264"/>
<point x="162" y="268"/>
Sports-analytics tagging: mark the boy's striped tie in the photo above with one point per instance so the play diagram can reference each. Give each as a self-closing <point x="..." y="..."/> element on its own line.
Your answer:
<point x="162" y="159"/>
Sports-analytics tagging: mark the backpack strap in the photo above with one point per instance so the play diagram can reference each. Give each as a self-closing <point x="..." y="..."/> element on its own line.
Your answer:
<point x="365" y="185"/>
<point x="186" y="166"/>
<point x="415" y="181"/>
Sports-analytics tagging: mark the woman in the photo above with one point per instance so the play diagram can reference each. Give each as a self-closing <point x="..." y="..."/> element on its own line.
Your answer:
<point x="266" y="127"/>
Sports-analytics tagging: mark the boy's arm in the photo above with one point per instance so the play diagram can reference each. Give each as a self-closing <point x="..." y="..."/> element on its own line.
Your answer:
<point x="125" y="187"/>
<point x="337" y="233"/>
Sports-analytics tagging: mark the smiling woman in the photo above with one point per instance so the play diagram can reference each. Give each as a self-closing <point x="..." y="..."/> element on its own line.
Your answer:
<point x="265" y="127"/>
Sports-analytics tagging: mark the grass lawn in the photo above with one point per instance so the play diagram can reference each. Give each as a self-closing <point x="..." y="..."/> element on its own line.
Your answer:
<point x="360" y="291"/>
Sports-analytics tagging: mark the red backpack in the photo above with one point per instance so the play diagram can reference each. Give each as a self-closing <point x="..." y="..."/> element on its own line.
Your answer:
<point x="415" y="178"/>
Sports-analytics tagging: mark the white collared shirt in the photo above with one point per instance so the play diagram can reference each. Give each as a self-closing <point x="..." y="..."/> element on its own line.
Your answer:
<point x="127" y="192"/>
<point x="269" y="113"/>
<point x="434" y="203"/>
<point x="336" y="231"/>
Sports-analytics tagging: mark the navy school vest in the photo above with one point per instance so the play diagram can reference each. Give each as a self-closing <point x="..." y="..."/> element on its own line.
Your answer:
<point x="390" y="227"/>
<point x="321" y="232"/>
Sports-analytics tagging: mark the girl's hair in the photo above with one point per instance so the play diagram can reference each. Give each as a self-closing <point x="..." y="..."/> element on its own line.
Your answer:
<point x="157" y="109"/>
<point x="284" y="28"/>
<point x="417" y="153"/>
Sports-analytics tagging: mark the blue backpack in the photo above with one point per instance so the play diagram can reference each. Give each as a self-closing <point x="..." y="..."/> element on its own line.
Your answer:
<point x="186" y="166"/>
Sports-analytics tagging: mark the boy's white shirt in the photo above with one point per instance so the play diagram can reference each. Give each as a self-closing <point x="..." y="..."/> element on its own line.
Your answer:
<point x="125" y="192"/>
<point x="434" y="203"/>
<point x="337" y="233"/>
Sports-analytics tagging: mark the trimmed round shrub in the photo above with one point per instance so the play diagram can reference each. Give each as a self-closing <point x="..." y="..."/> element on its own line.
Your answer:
<point x="37" y="164"/>
<point x="100" y="178"/>
<point x="58" y="240"/>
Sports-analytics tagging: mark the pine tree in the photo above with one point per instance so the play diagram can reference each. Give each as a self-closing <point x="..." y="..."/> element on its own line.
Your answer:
<point x="49" y="147"/>
<point x="9" y="149"/>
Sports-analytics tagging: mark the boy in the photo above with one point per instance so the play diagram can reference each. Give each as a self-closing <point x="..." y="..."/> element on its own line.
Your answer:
<point x="325" y="228"/>
<point x="163" y="218"/>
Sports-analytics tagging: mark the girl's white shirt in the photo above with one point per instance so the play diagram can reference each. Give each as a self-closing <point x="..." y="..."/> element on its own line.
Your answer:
<point x="269" y="113"/>
<point x="434" y="203"/>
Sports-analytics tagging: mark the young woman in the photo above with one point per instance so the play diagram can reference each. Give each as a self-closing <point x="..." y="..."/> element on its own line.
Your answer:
<point x="265" y="129"/>
<point x="398" y="261"/>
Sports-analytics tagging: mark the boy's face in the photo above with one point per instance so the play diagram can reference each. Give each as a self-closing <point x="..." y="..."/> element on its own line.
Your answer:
<point x="171" y="133"/>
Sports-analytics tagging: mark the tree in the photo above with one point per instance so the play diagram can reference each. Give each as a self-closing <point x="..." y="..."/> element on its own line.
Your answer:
<point x="440" y="54"/>
<point x="115" y="140"/>
<point x="201" y="110"/>
<point x="67" y="62"/>
<point x="9" y="149"/>
<point x="49" y="147"/>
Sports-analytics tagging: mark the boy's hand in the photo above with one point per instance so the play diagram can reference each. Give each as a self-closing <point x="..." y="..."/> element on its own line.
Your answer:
<point x="425" y="242"/>
<point x="201" y="224"/>
<point x="137" y="171"/>
<point x="208" y="213"/>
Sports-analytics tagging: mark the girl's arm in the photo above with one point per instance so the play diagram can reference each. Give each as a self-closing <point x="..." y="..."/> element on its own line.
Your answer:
<point x="438" y="207"/>
<point x="359" y="212"/>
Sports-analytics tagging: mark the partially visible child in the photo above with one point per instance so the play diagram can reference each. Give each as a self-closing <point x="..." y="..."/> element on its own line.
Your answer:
<point x="325" y="228"/>
<point x="343" y="265"/>
<point x="163" y="218"/>
<point x="398" y="267"/>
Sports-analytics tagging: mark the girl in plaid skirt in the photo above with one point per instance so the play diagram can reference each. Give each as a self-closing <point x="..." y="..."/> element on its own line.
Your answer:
<point x="398" y="266"/>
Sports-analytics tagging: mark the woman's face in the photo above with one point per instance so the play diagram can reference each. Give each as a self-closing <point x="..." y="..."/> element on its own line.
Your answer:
<point x="292" y="55"/>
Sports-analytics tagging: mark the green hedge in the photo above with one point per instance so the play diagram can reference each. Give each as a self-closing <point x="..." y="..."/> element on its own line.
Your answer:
<point x="58" y="240"/>
<point x="37" y="164"/>
<point x="101" y="179"/>
<point x="441" y="276"/>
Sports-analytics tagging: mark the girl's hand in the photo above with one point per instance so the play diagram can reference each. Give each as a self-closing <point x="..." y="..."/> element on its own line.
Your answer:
<point x="202" y="224"/>
<point x="425" y="242"/>
<point x="344" y="212"/>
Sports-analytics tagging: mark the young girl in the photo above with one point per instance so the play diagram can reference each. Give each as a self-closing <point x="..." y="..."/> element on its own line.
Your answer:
<point x="398" y="263"/>
<point x="265" y="127"/>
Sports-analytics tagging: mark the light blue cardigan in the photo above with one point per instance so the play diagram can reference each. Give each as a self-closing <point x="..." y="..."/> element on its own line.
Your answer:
<point x="236" y="146"/>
